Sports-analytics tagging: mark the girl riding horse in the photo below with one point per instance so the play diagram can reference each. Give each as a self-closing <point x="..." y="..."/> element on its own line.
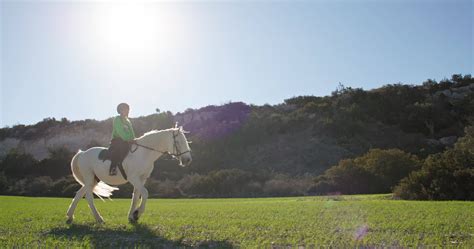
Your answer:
<point x="123" y="137"/>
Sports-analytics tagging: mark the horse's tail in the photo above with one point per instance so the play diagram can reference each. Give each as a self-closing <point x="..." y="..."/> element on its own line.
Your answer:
<point x="75" y="168"/>
<point x="101" y="189"/>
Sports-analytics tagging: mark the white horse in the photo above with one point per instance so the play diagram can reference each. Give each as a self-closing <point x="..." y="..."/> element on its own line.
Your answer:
<point x="93" y="173"/>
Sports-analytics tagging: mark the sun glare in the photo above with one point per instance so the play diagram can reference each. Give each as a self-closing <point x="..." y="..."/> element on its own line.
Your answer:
<point x="134" y="29"/>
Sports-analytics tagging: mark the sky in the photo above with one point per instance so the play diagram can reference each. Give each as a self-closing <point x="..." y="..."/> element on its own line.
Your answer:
<point x="79" y="59"/>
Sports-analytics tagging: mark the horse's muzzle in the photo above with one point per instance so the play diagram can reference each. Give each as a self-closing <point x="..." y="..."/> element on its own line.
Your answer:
<point x="186" y="160"/>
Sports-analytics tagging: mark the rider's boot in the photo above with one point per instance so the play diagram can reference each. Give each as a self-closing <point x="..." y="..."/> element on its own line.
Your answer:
<point x="113" y="169"/>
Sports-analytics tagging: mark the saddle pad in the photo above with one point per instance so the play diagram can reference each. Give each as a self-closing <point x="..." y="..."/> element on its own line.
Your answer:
<point x="104" y="155"/>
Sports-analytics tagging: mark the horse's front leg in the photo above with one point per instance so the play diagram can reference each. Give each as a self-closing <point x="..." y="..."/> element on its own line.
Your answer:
<point x="138" y="185"/>
<point x="141" y="209"/>
<point x="135" y="196"/>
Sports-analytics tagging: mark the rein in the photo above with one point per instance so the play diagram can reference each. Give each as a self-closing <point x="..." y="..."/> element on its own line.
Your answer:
<point x="175" y="147"/>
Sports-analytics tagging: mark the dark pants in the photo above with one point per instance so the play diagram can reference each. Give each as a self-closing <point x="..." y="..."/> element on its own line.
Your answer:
<point x="118" y="150"/>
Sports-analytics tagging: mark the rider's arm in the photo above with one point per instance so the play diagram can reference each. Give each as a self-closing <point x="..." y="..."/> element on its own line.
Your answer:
<point x="133" y="132"/>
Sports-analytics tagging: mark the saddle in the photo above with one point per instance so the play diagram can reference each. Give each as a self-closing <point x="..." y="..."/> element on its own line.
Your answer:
<point x="105" y="154"/>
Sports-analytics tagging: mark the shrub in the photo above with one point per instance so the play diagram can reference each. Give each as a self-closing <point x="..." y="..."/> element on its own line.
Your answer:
<point x="65" y="187"/>
<point x="3" y="183"/>
<point x="17" y="164"/>
<point x="166" y="188"/>
<point x="445" y="176"/>
<point x="220" y="183"/>
<point x="188" y="183"/>
<point x="283" y="185"/>
<point x="39" y="186"/>
<point x="57" y="164"/>
<point x="375" y="172"/>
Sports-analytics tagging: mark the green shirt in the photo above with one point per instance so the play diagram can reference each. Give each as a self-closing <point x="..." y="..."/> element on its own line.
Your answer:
<point x="123" y="129"/>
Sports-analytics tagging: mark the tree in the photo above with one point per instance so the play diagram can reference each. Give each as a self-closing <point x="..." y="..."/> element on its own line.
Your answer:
<point x="444" y="176"/>
<point x="17" y="164"/>
<point x="375" y="172"/>
<point x="3" y="183"/>
<point x="57" y="164"/>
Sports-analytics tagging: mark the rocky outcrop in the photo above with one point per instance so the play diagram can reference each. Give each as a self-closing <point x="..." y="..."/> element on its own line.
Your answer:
<point x="443" y="142"/>
<point x="456" y="93"/>
<point x="71" y="139"/>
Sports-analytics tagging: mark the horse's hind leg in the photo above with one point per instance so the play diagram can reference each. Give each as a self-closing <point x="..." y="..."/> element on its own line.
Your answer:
<point x="70" y="212"/>
<point x="90" y="201"/>
<point x="89" y="184"/>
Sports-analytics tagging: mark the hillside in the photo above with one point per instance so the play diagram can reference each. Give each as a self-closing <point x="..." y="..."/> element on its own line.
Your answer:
<point x="304" y="135"/>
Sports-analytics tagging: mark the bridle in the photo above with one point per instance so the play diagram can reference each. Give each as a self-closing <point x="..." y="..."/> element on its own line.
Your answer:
<point x="176" y="147"/>
<point x="176" y="152"/>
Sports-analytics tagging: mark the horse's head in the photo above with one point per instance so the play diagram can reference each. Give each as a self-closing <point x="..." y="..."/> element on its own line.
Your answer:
<point x="180" y="149"/>
<point x="171" y="141"/>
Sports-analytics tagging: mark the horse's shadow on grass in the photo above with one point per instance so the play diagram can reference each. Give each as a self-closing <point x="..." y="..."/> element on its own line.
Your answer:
<point x="140" y="236"/>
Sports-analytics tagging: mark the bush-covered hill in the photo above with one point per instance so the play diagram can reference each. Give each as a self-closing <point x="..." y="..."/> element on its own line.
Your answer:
<point x="261" y="150"/>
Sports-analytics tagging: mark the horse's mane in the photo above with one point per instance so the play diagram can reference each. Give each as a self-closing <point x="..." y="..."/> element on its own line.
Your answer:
<point x="157" y="131"/>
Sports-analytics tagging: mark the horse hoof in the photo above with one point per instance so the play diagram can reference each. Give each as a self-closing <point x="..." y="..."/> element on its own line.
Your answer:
<point x="135" y="215"/>
<point x="69" y="221"/>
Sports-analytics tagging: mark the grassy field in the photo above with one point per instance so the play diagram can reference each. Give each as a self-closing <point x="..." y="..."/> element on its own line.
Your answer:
<point x="341" y="221"/>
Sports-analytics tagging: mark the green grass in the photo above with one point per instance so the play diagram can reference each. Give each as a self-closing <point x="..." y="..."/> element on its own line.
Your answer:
<point x="342" y="221"/>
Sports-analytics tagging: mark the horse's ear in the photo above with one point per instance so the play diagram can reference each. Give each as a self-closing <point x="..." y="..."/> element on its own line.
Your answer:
<point x="176" y="124"/>
<point x="181" y="128"/>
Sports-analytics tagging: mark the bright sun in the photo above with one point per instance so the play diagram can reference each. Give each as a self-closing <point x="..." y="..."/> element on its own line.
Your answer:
<point x="127" y="29"/>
